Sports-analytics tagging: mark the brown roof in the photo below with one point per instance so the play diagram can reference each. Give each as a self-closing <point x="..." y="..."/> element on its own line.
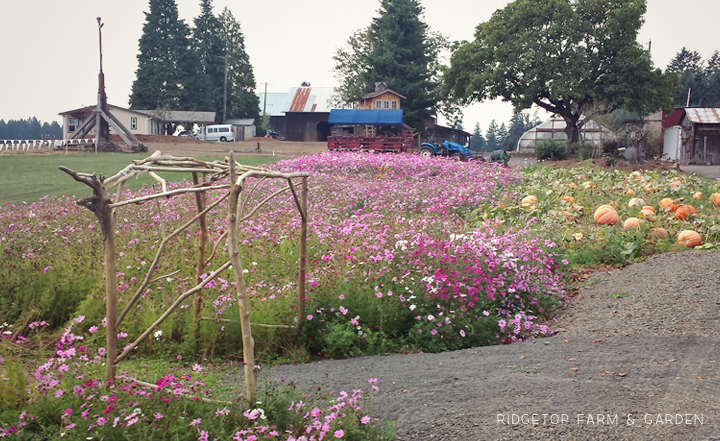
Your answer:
<point x="378" y="93"/>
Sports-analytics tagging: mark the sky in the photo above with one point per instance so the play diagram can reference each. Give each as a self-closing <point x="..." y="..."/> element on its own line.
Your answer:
<point x="50" y="47"/>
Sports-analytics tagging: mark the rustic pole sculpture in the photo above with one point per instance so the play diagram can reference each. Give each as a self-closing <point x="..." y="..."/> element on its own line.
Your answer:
<point x="99" y="204"/>
<point x="242" y="295"/>
<point x="213" y="178"/>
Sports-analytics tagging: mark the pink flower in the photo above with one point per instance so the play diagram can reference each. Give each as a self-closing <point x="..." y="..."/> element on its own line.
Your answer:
<point x="196" y="422"/>
<point x="47" y="268"/>
<point x="365" y="420"/>
<point x="93" y="329"/>
<point x="179" y="357"/>
<point x="309" y="317"/>
<point x="339" y="433"/>
<point x="462" y="333"/>
<point x="378" y="295"/>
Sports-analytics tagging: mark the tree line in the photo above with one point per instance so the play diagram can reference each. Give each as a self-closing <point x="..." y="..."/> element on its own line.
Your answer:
<point x="502" y="137"/>
<point x="199" y="68"/>
<point x="699" y="79"/>
<point x="29" y="128"/>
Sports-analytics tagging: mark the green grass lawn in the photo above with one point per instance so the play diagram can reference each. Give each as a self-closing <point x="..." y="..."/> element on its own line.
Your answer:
<point x="27" y="178"/>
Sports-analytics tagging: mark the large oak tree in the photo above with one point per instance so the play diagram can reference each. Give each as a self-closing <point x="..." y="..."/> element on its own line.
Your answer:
<point x="570" y="57"/>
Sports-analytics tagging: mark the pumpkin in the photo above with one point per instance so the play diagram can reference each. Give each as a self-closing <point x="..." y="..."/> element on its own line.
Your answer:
<point x="689" y="238"/>
<point x="648" y="207"/>
<point x="684" y="211"/>
<point x="647" y="214"/>
<point x="572" y="185"/>
<point x="675" y="183"/>
<point x="631" y="222"/>
<point x="659" y="233"/>
<point x="715" y="199"/>
<point x="666" y="203"/>
<point x="587" y="185"/>
<point x="698" y="196"/>
<point x="636" y="202"/>
<point x="568" y="199"/>
<point x="528" y="201"/>
<point x="649" y="188"/>
<point x="606" y="215"/>
<point x="630" y="192"/>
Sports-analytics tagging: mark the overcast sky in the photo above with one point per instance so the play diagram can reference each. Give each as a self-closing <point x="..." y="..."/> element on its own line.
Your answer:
<point x="50" y="47"/>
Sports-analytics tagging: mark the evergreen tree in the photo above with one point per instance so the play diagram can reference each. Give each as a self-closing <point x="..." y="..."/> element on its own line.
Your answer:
<point x="502" y="135"/>
<point x="685" y="60"/>
<point x="700" y="80"/>
<point x="477" y="141"/>
<point x="519" y="124"/>
<point x="242" y="102"/>
<point x="168" y="74"/>
<point x="210" y="48"/>
<point x="401" y="55"/>
<point x="399" y="50"/>
<point x="491" y="137"/>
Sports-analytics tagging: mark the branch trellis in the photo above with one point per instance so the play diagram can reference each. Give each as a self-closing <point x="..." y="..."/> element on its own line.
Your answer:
<point x="207" y="176"/>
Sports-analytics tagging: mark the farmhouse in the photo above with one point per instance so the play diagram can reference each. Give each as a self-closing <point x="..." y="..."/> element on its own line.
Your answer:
<point x="138" y="122"/>
<point x="381" y="99"/>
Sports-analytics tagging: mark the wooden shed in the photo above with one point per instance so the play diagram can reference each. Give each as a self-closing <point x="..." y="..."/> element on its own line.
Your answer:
<point x="700" y="136"/>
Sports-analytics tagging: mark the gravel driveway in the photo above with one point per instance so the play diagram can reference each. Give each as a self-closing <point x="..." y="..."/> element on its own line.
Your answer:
<point x="635" y="357"/>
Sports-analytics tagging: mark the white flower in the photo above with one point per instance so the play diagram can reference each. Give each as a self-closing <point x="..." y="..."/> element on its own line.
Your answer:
<point x="158" y="334"/>
<point x="412" y="307"/>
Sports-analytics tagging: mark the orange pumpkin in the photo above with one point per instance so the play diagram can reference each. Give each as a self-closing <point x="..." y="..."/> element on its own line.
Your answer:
<point x="630" y="192"/>
<point x="648" y="207"/>
<point x="528" y="201"/>
<point x="715" y="199"/>
<point x="697" y="196"/>
<point x="568" y="199"/>
<point x="606" y="215"/>
<point x="631" y="222"/>
<point x="689" y="238"/>
<point x="648" y="214"/>
<point x="666" y="203"/>
<point x="684" y="211"/>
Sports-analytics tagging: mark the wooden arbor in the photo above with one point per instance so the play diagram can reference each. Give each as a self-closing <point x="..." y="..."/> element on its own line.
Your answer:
<point x="207" y="176"/>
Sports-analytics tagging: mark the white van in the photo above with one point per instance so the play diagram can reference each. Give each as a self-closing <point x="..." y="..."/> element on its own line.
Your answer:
<point x="219" y="132"/>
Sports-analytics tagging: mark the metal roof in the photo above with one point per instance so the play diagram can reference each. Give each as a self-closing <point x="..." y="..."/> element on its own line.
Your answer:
<point x="703" y="115"/>
<point x="297" y="99"/>
<point x="241" y="121"/>
<point x="182" y="116"/>
<point x="362" y="116"/>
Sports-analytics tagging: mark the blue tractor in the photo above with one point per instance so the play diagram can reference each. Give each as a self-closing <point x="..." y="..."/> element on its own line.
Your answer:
<point x="448" y="148"/>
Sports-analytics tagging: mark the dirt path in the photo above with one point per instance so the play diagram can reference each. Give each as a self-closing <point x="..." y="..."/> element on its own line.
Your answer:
<point x="635" y="358"/>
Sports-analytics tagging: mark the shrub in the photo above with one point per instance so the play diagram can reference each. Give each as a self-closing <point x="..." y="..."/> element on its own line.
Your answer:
<point x="550" y="149"/>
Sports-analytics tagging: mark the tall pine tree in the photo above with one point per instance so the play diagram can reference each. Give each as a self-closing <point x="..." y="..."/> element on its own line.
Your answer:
<point x="491" y="137"/>
<point x="208" y="44"/>
<point x="477" y="141"/>
<point x="242" y="102"/>
<point x="399" y="50"/>
<point x="401" y="55"/>
<point x="168" y="75"/>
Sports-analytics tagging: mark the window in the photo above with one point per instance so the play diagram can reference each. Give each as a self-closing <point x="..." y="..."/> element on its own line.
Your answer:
<point x="133" y="123"/>
<point x="386" y="104"/>
<point x="393" y="104"/>
<point x="224" y="129"/>
<point x="72" y="124"/>
<point x="378" y="104"/>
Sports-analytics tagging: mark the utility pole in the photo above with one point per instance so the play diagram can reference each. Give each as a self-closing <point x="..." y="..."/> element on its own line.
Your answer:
<point x="225" y="90"/>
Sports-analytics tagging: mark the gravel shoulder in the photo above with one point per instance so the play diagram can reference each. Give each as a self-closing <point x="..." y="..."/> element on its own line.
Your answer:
<point x="635" y="357"/>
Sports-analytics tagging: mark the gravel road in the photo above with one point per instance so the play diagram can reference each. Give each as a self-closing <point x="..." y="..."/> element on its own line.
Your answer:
<point x="635" y="357"/>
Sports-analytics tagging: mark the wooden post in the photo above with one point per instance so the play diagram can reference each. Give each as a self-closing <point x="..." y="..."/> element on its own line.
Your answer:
<point x="200" y="200"/>
<point x="303" y="254"/>
<point x="242" y="295"/>
<point x="99" y="204"/>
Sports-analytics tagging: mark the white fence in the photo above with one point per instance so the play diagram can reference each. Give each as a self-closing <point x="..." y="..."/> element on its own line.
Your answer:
<point x="18" y="145"/>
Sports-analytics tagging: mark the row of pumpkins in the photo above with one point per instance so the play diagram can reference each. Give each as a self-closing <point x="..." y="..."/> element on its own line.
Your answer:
<point x="607" y="215"/>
